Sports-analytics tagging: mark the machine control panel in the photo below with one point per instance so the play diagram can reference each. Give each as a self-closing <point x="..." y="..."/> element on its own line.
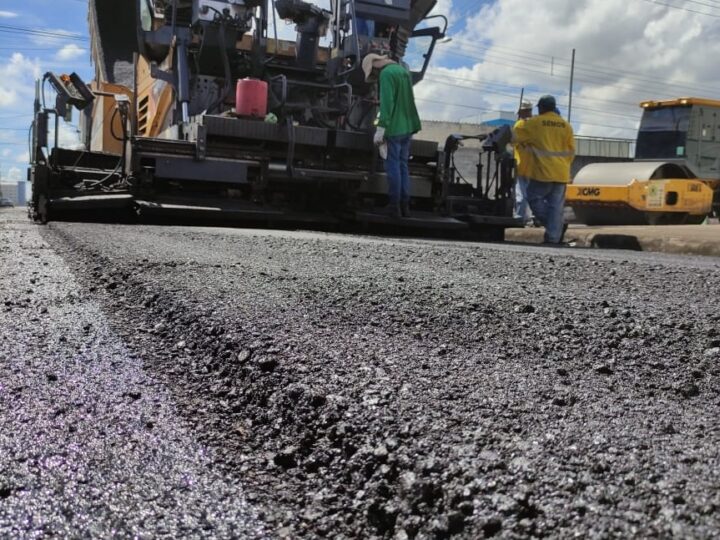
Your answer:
<point x="71" y="89"/>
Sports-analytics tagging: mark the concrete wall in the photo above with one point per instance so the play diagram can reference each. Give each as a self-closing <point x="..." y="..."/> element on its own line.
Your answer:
<point x="439" y="131"/>
<point x="604" y="147"/>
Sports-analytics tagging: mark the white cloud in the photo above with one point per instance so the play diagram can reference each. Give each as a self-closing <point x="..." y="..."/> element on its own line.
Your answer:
<point x="445" y="7"/>
<point x="53" y="37"/>
<point x="15" y="174"/>
<point x="70" y="52"/>
<point x="69" y="137"/>
<point x="8" y="14"/>
<point x="17" y="92"/>
<point x="16" y="81"/>
<point x="626" y="52"/>
<point x="8" y="96"/>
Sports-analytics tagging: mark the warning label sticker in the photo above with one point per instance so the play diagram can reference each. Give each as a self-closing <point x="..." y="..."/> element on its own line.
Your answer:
<point x="656" y="194"/>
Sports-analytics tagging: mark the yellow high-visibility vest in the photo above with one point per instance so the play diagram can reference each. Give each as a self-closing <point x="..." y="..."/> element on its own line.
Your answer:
<point x="550" y="145"/>
<point x="522" y="159"/>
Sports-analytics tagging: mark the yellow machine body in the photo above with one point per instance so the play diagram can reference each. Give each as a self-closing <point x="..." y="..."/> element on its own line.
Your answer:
<point x="669" y="195"/>
<point x="675" y="178"/>
<point x="106" y="126"/>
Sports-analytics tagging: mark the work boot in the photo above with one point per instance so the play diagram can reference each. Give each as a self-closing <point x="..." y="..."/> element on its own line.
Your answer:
<point x="564" y="230"/>
<point x="393" y="210"/>
<point x="405" y="209"/>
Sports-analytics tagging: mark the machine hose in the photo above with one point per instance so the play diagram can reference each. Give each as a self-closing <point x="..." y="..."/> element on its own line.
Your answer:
<point x="112" y="127"/>
<point x="228" y="74"/>
<point x="123" y="139"/>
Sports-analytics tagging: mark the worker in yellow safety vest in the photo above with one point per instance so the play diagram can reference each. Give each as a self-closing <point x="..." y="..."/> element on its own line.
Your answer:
<point x="522" y="162"/>
<point x="550" y="142"/>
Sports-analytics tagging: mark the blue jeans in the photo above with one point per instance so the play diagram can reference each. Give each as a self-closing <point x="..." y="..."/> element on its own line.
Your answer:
<point x="396" y="168"/>
<point x="547" y="202"/>
<point x="521" y="200"/>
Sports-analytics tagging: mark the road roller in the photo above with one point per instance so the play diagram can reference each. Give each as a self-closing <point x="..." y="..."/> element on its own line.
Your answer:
<point x="674" y="179"/>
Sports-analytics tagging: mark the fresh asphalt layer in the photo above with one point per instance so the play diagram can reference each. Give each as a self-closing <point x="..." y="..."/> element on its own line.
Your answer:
<point x="91" y="444"/>
<point x="301" y="385"/>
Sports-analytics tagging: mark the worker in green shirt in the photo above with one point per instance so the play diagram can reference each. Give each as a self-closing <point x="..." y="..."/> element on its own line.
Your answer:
<point x="397" y="122"/>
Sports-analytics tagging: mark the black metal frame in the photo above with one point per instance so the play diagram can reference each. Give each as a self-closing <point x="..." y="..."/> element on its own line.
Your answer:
<point x="261" y="160"/>
<point x="491" y="200"/>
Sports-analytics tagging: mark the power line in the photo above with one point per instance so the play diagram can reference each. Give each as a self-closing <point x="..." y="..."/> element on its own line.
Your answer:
<point x="698" y="2"/>
<point x="35" y="49"/>
<point x="712" y="5"/>
<point x="515" y="96"/>
<point x="481" y="109"/>
<point x="682" y="8"/>
<point x="586" y="74"/>
<point x="524" y="69"/>
<point x="593" y="112"/>
<point x="589" y="80"/>
<point x="614" y="103"/>
<point x="503" y="85"/>
<point x="534" y="56"/>
<point x="589" y="67"/>
<point x="9" y="29"/>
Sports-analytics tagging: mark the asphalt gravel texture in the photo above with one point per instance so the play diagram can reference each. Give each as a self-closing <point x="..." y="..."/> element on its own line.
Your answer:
<point x="91" y="444"/>
<point x="356" y="387"/>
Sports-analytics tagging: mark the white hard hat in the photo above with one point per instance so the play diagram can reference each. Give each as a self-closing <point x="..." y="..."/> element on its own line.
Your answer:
<point x="367" y="63"/>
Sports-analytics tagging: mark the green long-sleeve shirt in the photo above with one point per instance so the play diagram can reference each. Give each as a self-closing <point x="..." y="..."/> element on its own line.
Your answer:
<point x="398" y="114"/>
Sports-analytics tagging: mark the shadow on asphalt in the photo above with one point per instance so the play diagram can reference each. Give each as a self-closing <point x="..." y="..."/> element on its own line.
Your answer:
<point x="616" y="241"/>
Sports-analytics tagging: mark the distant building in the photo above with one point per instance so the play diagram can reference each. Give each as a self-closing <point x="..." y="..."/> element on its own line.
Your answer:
<point x="601" y="150"/>
<point x="506" y="118"/>
<point x="15" y="191"/>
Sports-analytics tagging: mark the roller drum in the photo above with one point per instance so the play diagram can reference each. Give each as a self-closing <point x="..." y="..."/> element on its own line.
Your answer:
<point x="621" y="174"/>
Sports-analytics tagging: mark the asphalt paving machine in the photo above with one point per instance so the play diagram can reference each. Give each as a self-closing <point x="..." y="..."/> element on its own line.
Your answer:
<point x="674" y="179"/>
<point x="199" y="108"/>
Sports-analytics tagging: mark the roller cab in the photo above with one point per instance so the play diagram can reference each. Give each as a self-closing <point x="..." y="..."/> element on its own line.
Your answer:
<point x="674" y="178"/>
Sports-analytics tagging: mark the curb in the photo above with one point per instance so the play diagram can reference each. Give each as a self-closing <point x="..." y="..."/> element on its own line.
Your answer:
<point x="657" y="239"/>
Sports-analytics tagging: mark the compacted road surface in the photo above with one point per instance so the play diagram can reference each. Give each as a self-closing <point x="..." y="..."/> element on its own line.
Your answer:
<point x="91" y="444"/>
<point x="225" y="382"/>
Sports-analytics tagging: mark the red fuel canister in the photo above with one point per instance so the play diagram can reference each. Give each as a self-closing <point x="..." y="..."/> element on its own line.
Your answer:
<point x="251" y="98"/>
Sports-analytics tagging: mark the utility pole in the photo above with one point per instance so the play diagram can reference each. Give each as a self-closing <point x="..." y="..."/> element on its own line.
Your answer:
<point x="572" y="78"/>
<point x="522" y="96"/>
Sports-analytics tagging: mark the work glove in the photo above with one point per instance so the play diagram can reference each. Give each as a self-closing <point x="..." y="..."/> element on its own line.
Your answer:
<point x="379" y="137"/>
<point x="383" y="150"/>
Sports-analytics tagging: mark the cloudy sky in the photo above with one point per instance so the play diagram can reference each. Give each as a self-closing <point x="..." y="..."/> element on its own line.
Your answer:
<point x="627" y="51"/>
